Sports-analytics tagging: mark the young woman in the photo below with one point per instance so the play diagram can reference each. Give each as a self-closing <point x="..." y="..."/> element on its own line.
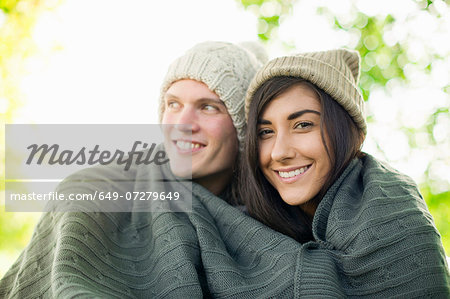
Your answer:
<point x="365" y="228"/>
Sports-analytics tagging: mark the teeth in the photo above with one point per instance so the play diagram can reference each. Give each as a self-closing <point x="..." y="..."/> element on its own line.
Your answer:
<point x="290" y="174"/>
<point x="187" y="145"/>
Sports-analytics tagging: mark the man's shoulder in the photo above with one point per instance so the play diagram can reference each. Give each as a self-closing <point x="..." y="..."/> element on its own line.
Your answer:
<point x="111" y="174"/>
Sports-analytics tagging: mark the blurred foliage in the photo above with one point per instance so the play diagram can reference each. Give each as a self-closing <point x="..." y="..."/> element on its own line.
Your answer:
<point x="380" y="62"/>
<point x="17" y="19"/>
<point x="385" y="60"/>
<point x="9" y="6"/>
<point x="269" y="15"/>
<point x="440" y="209"/>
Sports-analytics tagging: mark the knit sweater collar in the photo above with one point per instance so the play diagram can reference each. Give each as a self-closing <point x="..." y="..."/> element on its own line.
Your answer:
<point x="320" y="220"/>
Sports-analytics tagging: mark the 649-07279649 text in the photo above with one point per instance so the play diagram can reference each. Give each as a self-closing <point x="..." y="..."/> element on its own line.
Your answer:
<point x="97" y="195"/>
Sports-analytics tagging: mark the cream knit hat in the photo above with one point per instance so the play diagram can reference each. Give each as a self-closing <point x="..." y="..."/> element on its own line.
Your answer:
<point x="335" y="71"/>
<point x="225" y="68"/>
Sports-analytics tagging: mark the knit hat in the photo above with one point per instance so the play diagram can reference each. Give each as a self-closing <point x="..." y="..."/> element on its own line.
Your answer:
<point x="225" y="68"/>
<point x="335" y="71"/>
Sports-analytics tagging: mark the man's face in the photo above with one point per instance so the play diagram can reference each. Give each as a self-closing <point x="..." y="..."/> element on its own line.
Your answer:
<point x="203" y="131"/>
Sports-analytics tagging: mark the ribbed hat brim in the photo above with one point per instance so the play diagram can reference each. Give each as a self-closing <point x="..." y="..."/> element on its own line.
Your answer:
<point x="336" y="72"/>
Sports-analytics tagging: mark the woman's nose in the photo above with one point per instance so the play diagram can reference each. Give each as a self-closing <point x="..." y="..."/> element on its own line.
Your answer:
<point x="282" y="149"/>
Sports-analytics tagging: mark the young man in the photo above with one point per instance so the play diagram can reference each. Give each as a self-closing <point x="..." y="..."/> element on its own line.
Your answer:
<point x="147" y="255"/>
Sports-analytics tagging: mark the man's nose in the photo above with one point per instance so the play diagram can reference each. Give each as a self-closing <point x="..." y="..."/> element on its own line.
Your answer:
<point x="187" y="120"/>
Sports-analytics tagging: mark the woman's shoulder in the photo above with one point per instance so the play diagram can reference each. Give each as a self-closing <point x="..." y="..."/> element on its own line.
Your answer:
<point x="375" y="171"/>
<point x="380" y="231"/>
<point x="372" y="202"/>
<point x="386" y="189"/>
<point x="373" y="184"/>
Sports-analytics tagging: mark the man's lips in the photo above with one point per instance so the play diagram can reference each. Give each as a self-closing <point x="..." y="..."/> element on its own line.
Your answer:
<point x="188" y="145"/>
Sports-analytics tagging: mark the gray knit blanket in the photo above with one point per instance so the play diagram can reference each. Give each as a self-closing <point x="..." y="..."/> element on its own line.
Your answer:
<point x="374" y="237"/>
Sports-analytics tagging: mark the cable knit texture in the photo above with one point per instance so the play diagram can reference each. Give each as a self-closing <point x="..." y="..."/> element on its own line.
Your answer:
<point x="334" y="71"/>
<point x="374" y="237"/>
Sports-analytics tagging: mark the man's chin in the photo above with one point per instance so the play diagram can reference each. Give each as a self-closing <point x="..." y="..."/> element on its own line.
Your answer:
<point x="183" y="174"/>
<point x="180" y="165"/>
<point x="181" y="168"/>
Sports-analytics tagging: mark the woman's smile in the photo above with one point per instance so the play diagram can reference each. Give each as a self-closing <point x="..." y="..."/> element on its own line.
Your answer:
<point x="290" y="175"/>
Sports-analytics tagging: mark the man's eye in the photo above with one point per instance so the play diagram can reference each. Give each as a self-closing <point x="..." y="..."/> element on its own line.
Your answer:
<point x="173" y="105"/>
<point x="208" y="107"/>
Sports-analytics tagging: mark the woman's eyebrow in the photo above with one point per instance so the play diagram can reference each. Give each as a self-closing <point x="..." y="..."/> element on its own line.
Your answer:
<point x="263" y="122"/>
<point x="300" y="113"/>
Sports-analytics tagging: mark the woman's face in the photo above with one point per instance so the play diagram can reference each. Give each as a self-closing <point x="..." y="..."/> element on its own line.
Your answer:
<point x="292" y="155"/>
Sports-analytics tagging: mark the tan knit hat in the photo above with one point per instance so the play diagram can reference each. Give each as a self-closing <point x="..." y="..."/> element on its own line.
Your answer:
<point x="335" y="71"/>
<point x="225" y="68"/>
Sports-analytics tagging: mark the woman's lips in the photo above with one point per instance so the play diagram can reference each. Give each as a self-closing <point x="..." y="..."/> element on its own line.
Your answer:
<point x="292" y="174"/>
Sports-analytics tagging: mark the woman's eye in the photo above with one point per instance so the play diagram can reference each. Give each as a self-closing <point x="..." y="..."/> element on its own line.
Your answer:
<point x="264" y="133"/>
<point x="303" y="125"/>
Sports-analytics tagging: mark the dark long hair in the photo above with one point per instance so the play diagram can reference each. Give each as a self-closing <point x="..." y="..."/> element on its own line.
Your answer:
<point x="261" y="198"/>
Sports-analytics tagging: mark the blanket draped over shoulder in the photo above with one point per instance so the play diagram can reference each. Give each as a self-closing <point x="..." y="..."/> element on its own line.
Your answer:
<point x="373" y="235"/>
